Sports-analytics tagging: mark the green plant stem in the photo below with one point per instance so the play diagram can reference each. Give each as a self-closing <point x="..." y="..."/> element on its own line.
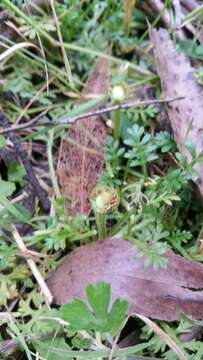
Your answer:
<point x="101" y="224"/>
<point x="144" y="168"/>
<point x="192" y="15"/>
<point x="126" y="170"/>
<point x="117" y="124"/>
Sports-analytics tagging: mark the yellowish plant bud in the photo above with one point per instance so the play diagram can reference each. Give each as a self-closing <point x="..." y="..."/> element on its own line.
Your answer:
<point x="104" y="199"/>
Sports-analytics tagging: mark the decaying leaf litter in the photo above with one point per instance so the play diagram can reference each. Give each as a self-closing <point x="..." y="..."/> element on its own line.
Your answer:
<point x="178" y="77"/>
<point x="174" y="83"/>
<point x="159" y="294"/>
<point x="162" y="294"/>
<point x="82" y="153"/>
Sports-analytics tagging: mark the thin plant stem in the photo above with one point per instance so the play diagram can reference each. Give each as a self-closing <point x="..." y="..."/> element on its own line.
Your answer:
<point x="192" y="16"/>
<point x="126" y="170"/>
<point x="144" y="168"/>
<point x="63" y="50"/>
<point x="117" y="124"/>
<point x="101" y="224"/>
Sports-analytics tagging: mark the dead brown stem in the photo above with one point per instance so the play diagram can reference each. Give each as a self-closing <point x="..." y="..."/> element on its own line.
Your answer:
<point x="33" y="122"/>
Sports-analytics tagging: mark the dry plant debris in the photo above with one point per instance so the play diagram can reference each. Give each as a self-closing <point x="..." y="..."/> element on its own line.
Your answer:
<point x="178" y="79"/>
<point x="160" y="294"/>
<point x="82" y="155"/>
<point x="138" y="182"/>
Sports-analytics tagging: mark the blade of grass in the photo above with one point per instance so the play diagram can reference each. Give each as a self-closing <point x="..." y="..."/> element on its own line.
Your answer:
<point x="35" y="59"/>
<point x="192" y="16"/>
<point x="12" y="209"/>
<point x="20" y="338"/>
<point x="14" y="48"/>
<point x="65" y="57"/>
<point x="97" y="353"/>
<point x="42" y="50"/>
<point x="37" y="275"/>
<point x="73" y="47"/>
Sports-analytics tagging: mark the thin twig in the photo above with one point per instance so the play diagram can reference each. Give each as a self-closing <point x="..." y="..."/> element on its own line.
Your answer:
<point x="24" y="126"/>
<point x="44" y="288"/>
<point x="117" y="107"/>
<point x="68" y="120"/>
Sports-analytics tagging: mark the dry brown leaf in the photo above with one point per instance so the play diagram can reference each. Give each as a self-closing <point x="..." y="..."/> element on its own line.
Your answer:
<point x="160" y="294"/>
<point x="82" y="155"/>
<point x="178" y="79"/>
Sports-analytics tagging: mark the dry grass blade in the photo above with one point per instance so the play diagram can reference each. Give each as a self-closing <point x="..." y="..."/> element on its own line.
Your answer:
<point x="14" y="48"/>
<point x="165" y="337"/>
<point x="43" y="287"/>
<point x="82" y="155"/>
